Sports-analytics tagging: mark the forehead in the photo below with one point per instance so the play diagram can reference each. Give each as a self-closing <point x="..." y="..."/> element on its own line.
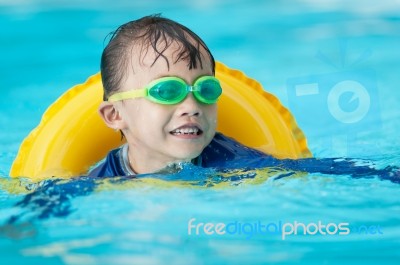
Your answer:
<point x="167" y="54"/>
<point x="148" y="63"/>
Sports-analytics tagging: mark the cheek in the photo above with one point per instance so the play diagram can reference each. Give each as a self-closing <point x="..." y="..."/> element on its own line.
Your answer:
<point x="211" y="115"/>
<point x="134" y="114"/>
<point x="148" y="116"/>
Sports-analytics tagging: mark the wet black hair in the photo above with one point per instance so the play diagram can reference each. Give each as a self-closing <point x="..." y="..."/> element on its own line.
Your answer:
<point x="149" y="32"/>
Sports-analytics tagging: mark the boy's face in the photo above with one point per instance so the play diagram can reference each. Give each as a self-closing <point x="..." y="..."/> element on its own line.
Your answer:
<point x="151" y="129"/>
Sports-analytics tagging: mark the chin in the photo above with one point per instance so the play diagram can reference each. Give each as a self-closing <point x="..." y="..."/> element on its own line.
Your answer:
<point x="188" y="154"/>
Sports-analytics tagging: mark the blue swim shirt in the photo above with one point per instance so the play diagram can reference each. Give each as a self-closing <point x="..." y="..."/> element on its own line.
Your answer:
<point x="221" y="151"/>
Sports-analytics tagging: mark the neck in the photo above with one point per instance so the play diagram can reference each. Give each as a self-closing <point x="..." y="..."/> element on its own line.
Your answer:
<point x="142" y="163"/>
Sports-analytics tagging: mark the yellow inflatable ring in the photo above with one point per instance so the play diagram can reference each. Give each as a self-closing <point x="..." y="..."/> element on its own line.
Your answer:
<point x="71" y="135"/>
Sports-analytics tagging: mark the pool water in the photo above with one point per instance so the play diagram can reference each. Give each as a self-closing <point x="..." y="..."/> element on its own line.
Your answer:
<point x="304" y="52"/>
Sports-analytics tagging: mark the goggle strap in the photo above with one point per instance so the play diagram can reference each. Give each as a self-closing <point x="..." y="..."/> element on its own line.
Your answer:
<point x="128" y="95"/>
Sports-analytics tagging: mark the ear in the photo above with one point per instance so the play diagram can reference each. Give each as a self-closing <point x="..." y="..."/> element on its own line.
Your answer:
<point x="111" y="116"/>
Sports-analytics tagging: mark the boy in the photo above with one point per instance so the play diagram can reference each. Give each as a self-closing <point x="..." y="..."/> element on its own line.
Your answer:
<point x="161" y="93"/>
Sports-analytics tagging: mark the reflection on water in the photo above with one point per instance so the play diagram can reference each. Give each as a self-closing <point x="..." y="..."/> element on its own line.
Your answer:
<point x="52" y="197"/>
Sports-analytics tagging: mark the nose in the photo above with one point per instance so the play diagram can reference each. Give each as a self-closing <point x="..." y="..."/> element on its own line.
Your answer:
<point x="189" y="107"/>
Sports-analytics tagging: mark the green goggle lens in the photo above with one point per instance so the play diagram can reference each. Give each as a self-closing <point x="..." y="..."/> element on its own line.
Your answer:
<point x="167" y="91"/>
<point x="210" y="89"/>
<point x="172" y="90"/>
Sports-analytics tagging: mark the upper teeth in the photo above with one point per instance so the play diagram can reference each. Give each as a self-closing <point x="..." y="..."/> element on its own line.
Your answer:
<point x="190" y="130"/>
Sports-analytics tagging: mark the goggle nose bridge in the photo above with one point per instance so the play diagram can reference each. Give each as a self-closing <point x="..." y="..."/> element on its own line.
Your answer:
<point x="191" y="88"/>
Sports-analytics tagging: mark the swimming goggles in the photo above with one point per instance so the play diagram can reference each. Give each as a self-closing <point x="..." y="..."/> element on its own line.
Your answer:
<point x="172" y="90"/>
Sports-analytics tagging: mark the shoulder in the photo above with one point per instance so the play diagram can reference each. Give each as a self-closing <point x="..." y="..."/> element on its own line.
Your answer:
<point x="108" y="167"/>
<point x="223" y="149"/>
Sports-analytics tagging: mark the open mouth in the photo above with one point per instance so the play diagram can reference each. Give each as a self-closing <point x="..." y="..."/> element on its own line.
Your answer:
<point x="187" y="131"/>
